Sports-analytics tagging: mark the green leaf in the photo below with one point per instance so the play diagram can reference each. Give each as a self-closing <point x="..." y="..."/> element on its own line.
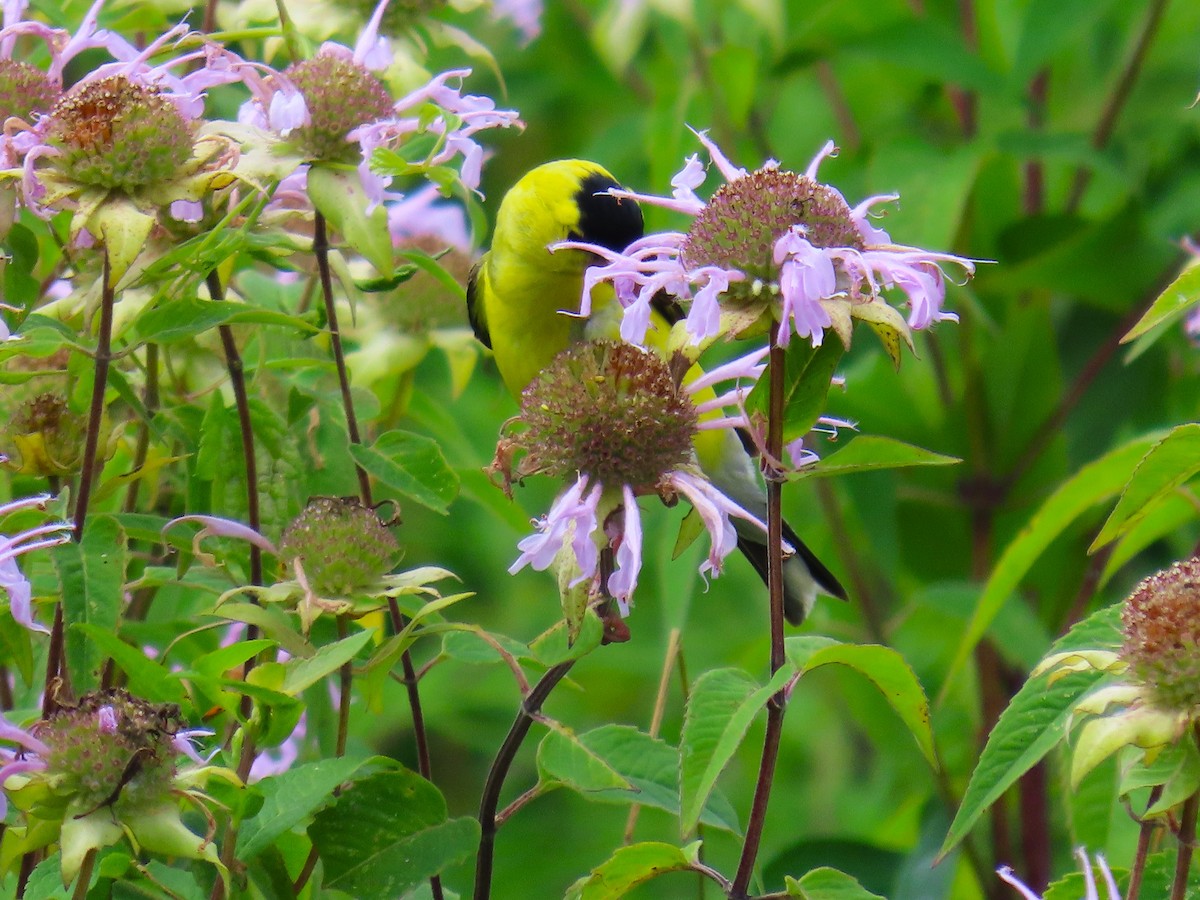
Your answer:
<point x="271" y="621"/>
<point x="651" y="766"/>
<point x="387" y="834"/>
<point x="629" y="867"/>
<point x="146" y="678"/>
<point x="1033" y="724"/>
<point x="564" y="759"/>
<point x="868" y="452"/>
<point x="338" y="195"/>
<point x="412" y="465"/>
<point x="293" y="797"/>
<point x="92" y="575"/>
<point x="184" y="318"/>
<point x="1094" y="483"/>
<point x="828" y="884"/>
<point x="1048" y="26"/>
<point x="122" y="228"/>
<point x="887" y="670"/>
<point x="1181" y="295"/>
<point x="808" y="374"/>
<point x="1167" y="465"/>
<point x="300" y="674"/>
<point x="720" y="710"/>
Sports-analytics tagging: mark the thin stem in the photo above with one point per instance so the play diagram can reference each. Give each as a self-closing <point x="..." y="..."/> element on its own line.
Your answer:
<point x="237" y="383"/>
<point x="1145" y="835"/>
<point x="777" y="704"/>
<point x="321" y="252"/>
<point x="1187" y="841"/>
<point x="1116" y="100"/>
<point x="854" y="563"/>
<point x="57" y="679"/>
<point x="965" y="102"/>
<point x="85" y="876"/>
<point x="1035" y="827"/>
<point x="490" y="800"/>
<point x="1035" y="173"/>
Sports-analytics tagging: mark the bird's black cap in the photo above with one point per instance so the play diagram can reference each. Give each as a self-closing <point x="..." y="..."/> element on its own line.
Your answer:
<point x="606" y="220"/>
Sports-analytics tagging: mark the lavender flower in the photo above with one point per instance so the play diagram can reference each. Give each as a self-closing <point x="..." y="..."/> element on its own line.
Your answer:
<point x="1007" y="876"/>
<point x="769" y="243"/>
<point x="18" y="588"/>
<point x="610" y="418"/>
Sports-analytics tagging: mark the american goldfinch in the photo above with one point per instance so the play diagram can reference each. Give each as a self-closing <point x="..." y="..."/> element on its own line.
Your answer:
<point x="517" y="298"/>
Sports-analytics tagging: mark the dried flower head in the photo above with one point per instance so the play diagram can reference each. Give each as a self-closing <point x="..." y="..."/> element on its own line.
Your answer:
<point x="1161" y="623"/>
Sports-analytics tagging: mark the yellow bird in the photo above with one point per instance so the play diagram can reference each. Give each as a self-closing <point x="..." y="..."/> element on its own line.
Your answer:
<point x="515" y="299"/>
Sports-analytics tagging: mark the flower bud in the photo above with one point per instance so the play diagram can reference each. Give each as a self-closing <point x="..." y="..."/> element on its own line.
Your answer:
<point x="341" y="546"/>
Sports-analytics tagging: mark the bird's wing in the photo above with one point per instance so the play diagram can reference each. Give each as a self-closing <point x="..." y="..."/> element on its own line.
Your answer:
<point x="475" y="307"/>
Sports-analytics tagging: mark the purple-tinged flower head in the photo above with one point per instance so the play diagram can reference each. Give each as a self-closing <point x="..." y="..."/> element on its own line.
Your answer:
<point x="612" y="419"/>
<point x="18" y="588"/>
<point x="99" y="769"/>
<point x="440" y="110"/>
<point x="1091" y="892"/>
<point x="769" y="245"/>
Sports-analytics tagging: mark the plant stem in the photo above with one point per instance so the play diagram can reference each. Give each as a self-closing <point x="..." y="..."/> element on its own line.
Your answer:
<point x="321" y="252"/>
<point x="1145" y="834"/>
<point x="57" y="677"/>
<point x="1187" y="841"/>
<point x="345" y="682"/>
<point x="84" y="878"/>
<point x="777" y="704"/>
<point x="1116" y="101"/>
<point x="530" y="707"/>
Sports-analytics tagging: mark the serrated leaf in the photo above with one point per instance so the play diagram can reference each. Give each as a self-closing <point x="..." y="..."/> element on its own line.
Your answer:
<point x="1094" y="483"/>
<point x="828" y="884"/>
<point x="1033" y="724"/>
<point x="887" y="670"/>
<point x="867" y="452"/>
<point x="412" y="465"/>
<point x="338" y="195"/>
<point x="387" y="834"/>
<point x="627" y="868"/>
<point x="1166" y="466"/>
<point x="292" y="797"/>
<point x="720" y="709"/>
<point x="92" y="575"/>
<point x="1181" y="295"/>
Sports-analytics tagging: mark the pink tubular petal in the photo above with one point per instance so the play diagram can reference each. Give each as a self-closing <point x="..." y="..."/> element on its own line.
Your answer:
<point x="218" y="527"/>
<point x="623" y="581"/>
<point x="14" y="735"/>
<point x="829" y="150"/>
<point x="372" y="51"/>
<point x="1007" y="876"/>
<point x="727" y="169"/>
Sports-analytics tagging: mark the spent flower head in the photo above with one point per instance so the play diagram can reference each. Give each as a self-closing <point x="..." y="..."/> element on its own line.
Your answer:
<point x="770" y="245"/>
<point x="1152" y="700"/>
<point x="613" y="420"/>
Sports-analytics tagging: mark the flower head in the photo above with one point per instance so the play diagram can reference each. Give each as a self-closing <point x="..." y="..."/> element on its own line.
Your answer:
<point x="771" y="243"/>
<point x="101" y="768"/>
<point x="340" y="545"/>
<point x="613" y="420"/>
<point x="1153" y="699"/>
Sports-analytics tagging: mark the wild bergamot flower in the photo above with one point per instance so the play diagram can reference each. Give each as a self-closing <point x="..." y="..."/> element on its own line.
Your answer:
<point x="1156" y="702"/>
<point x="14" y="584"/>
<point x="103" y="768"/>
<point x="770" y="245"/>
<point x="612" y="419"/>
